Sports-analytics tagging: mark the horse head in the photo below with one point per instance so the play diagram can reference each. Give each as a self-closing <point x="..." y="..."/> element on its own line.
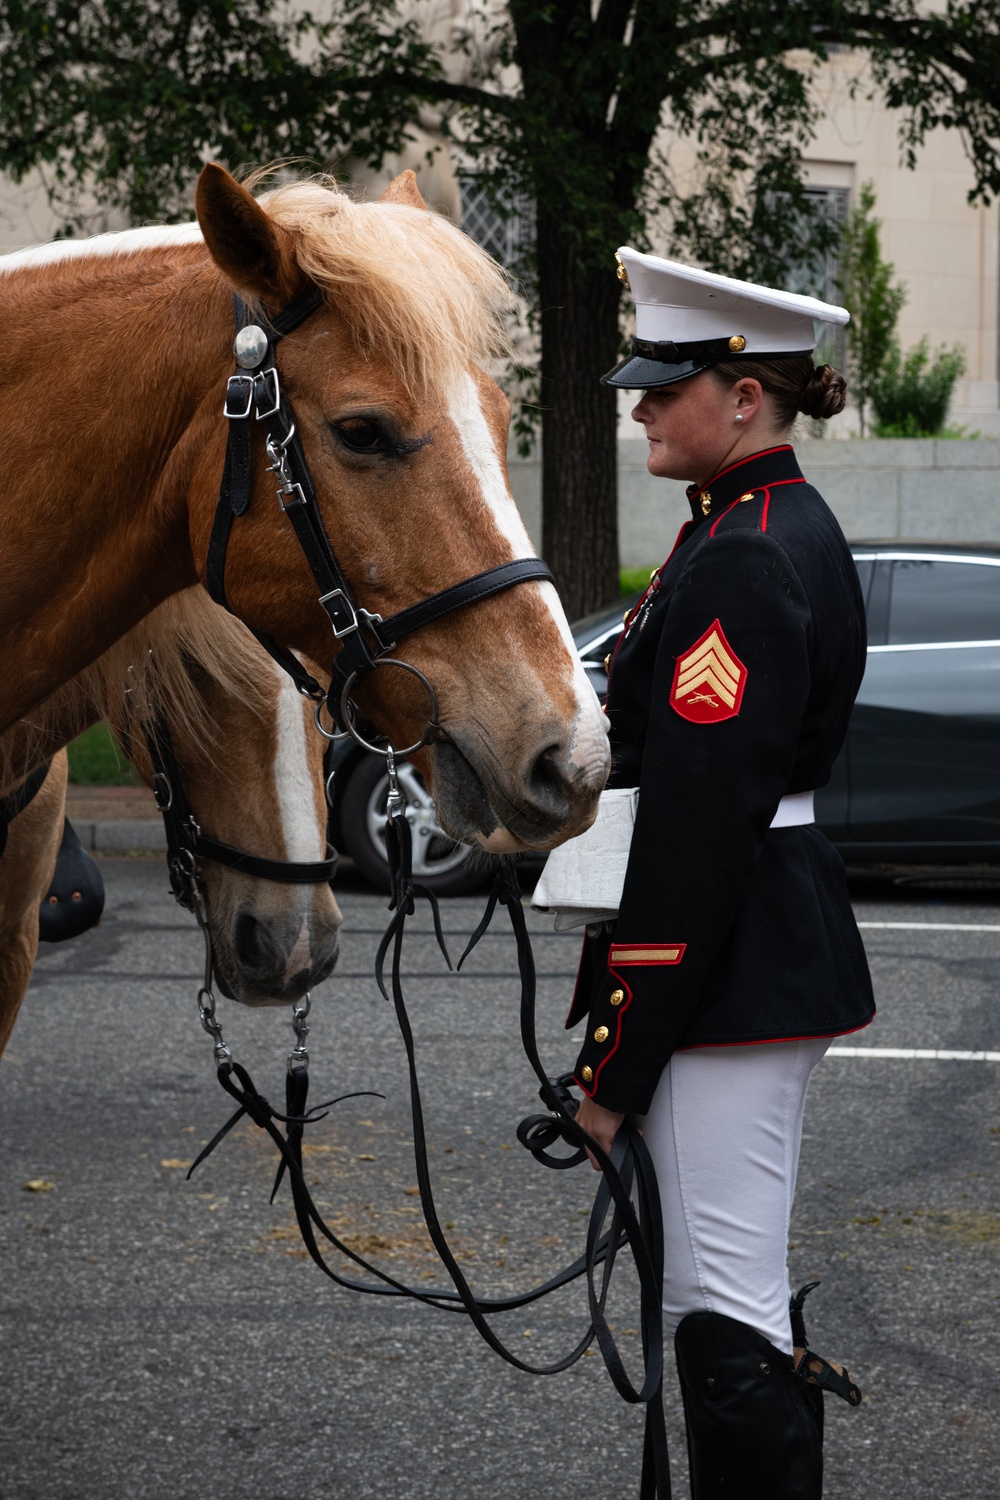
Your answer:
<point x="405" y="437"/>
<point x="251" y="767"/>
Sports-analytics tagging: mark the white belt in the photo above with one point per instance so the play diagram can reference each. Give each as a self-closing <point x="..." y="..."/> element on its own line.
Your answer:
<point x="583" y="879"/>
<point x="796" y="808"/>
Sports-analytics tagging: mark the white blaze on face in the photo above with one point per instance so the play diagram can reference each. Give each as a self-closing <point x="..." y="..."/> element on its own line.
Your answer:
<point x="304" y="838"/>
<point x="479" y="447"/>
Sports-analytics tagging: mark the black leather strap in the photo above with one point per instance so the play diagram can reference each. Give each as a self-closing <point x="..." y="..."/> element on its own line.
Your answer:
<point x="480" y="586"/>
<point x="285" y="872"/>
<point x="186" y="842"/>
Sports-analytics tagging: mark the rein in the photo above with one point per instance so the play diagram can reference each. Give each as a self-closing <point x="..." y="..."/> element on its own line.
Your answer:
<point x="627" y="1192"/>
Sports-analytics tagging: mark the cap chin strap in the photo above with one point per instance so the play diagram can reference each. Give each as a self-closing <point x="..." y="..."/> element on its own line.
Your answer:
<point x="666" y="352"/>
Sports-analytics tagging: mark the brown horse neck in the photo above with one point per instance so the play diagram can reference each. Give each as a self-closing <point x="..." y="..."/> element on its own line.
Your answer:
<point x="119" y="360"/>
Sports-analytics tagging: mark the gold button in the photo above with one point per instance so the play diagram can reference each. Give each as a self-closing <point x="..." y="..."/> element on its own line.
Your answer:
<point x="601" y="1034"/>
<point x="653" y="574"/>
<point x="587" y="1074"/>
<point x="706" y="503"/>
<point x="746" y="497"/>
<point x="625" y="616"/>
<point x="617" y="996"/>
<point x="737" y="343"/>
<point x="607" y="662"/>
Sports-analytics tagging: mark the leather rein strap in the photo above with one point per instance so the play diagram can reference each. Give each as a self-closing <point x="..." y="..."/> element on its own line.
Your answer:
<point x="256" y="395"/>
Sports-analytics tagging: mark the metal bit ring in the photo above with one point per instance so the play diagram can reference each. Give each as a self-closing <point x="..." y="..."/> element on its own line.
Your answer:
<point x="347" y="710"/>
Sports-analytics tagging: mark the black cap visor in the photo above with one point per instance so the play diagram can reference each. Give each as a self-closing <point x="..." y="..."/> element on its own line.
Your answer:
<point x="637" y="374"/>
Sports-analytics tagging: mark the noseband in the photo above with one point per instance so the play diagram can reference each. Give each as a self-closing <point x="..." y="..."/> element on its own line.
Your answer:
<point x="366" y="640"/>
<point x="186" y="844"/>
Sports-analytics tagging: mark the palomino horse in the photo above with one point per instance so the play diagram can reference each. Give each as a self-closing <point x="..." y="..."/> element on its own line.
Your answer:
<point x="118" y="350"/>
<point x="253" y="775"/>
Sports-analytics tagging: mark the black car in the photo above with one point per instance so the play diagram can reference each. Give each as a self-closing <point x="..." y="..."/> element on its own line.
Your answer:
<point x="918" y="780"/>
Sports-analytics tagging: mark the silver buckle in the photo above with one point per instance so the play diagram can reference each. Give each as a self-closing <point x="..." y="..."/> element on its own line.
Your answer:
<point x="239" y="380"/>
<point x="260" y="384"/>
<point x="348" y="629"/>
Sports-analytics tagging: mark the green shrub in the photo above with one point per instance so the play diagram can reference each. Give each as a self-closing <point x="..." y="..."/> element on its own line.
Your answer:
<point x="633" y="580"/>
<point x="96" y="760"/>
<point x="912" y="392"/>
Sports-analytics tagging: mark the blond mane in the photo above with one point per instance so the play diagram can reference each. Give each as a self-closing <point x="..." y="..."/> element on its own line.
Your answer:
<point x="406" y="281"/>
<point x="148" y="671"/>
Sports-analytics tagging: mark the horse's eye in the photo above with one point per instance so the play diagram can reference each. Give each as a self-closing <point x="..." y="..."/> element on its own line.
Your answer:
<point x="362" y="435"/>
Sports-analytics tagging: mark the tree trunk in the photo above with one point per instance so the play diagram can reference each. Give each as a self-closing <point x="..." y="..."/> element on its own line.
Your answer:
<point x="579" y="323"/>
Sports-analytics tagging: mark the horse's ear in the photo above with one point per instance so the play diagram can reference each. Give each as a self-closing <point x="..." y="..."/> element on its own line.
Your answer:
<point x="403" y="189"/>
<point x="254" y="253"/>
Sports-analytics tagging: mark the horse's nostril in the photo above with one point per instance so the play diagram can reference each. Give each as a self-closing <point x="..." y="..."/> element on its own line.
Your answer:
<point x="547" y="783"/>
<point x="256" y="950"/>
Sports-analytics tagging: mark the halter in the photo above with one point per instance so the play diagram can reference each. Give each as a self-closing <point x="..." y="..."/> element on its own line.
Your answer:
<point x="366" y="640"/>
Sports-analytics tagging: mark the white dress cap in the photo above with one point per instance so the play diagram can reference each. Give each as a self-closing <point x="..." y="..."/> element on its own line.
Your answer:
<point x="687" y="319"/>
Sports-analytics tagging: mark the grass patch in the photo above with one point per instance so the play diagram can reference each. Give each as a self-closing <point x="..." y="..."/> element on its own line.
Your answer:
<point x="633" y="580"/>
<point x="96" y="760"/>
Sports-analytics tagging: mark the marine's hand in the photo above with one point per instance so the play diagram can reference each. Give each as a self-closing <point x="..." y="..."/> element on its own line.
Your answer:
<point x="603" y="1124"/>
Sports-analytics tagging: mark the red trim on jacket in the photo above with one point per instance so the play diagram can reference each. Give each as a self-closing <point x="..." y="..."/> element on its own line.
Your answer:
<point x="780" y="448"/>
<point x="590" y="1092"/>
<point x="767" y="1041"/>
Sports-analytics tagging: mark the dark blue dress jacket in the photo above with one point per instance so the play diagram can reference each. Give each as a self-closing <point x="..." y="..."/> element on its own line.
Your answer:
<point x="731" y="687"/>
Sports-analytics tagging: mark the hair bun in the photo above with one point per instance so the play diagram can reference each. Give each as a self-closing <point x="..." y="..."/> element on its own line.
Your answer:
<point x="826" y="393"/>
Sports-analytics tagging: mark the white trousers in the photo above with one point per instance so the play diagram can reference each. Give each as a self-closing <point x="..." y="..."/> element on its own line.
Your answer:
<point x="724" y="1131"/>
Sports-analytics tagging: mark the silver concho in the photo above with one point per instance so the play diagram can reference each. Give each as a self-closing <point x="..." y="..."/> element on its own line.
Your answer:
<point x="250" y="346"/>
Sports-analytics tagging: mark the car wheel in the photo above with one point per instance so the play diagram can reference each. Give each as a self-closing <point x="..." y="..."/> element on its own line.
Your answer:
<point x="447" y="868"/>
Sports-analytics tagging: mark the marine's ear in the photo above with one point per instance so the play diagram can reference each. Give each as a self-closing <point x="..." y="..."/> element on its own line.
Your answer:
<point x="254" y="253"/>
<point x="403" y="189"/>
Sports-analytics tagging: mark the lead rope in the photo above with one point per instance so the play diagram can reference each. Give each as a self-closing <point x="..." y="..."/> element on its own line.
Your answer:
<point x="626" y="1173"/>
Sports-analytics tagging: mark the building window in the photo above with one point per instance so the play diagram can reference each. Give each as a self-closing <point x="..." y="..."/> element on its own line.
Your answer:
<point x="818" y="277"/>
<point x="504" y="228"/>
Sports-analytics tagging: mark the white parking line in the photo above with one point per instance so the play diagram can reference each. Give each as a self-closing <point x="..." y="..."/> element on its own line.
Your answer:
<point x="923" y="1053"/>
<point x="933" y="926"/>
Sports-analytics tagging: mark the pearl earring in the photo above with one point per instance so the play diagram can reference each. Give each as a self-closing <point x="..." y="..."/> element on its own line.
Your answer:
<point x="739" y="416"/>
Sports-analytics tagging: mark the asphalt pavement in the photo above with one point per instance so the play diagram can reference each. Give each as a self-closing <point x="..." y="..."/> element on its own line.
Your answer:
<point x="167" y="1340"/>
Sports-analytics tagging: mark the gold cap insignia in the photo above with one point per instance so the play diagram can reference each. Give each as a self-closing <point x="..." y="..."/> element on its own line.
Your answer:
<point x="622" y="273"/>
<point x="737" y="343"/>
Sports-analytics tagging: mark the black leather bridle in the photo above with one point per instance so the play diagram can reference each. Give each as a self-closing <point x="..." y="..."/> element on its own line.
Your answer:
<point x="366" y="641"/>
<point x="187" y="844"/>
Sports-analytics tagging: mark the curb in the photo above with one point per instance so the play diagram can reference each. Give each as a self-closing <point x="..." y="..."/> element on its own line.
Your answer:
<point x="121" y="835"/>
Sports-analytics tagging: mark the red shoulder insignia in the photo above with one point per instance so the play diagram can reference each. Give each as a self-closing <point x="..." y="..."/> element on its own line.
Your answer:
<point x="709" y="680"/>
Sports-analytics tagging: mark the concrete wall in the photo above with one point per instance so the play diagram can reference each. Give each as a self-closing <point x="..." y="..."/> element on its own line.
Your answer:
<point x="887" y="489"/>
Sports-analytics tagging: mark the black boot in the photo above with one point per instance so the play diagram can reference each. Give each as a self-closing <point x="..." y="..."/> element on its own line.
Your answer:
<point x="751" y="1431"/>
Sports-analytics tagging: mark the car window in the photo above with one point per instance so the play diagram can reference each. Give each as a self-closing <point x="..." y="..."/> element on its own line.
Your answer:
<point x="864" y="565"/>
<point x="939" y="600"/>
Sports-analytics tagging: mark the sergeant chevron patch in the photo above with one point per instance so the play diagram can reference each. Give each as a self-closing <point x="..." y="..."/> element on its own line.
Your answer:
<point x="709" y="680"/>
